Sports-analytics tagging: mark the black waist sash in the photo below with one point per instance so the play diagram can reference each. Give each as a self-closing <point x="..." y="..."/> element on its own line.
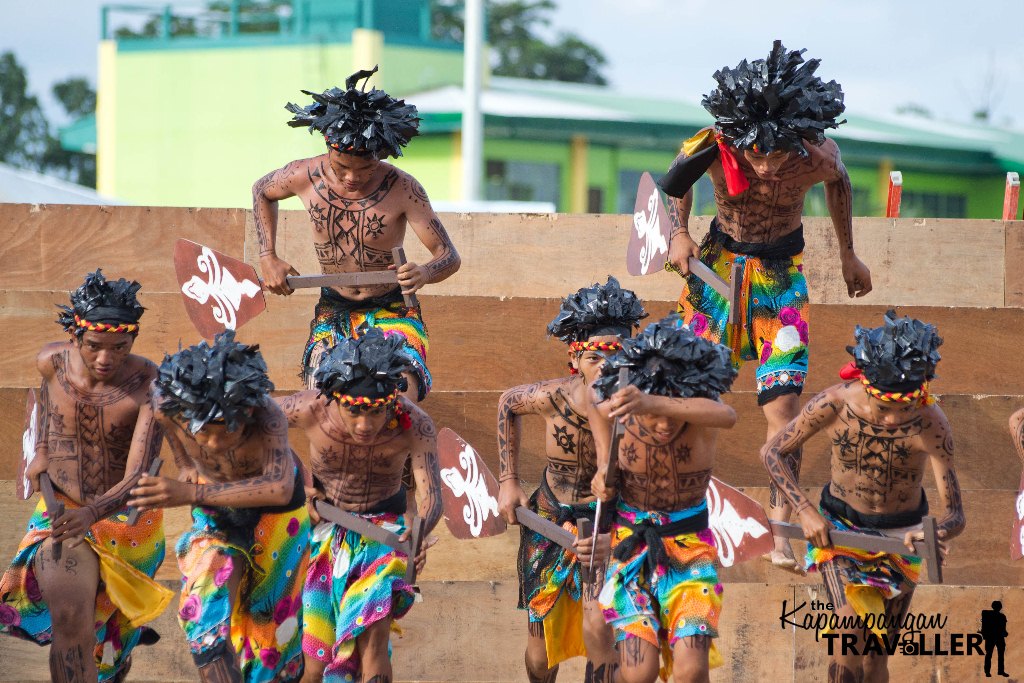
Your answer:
<point x="649" y="534"/>
<point x="570" y="512"/>
<point x="864" y="520"/>
<point x="785" y="247"/>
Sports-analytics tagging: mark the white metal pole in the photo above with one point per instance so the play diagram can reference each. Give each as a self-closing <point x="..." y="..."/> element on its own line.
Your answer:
<point x="472" y="117"/>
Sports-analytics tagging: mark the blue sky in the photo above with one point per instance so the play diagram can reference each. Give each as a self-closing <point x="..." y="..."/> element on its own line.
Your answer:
<point x="885" y="53"/>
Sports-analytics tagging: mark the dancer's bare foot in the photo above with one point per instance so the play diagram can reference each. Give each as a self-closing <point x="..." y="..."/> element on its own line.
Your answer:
<point x="782" y="558"/>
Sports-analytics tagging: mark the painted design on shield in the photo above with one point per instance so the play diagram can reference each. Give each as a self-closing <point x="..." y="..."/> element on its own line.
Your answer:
<point x="728" y="526"/>
<point x="28" y="449"/>
<point x="470" y="482"/>
<point x="221" y="286"/>
<point x="1020" y="519"/>
<point x="648" y="228"/>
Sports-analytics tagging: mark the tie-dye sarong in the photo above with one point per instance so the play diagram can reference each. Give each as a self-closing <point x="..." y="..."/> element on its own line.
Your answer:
<point x="869" y="579"/>
<point x="127" y="596"/>
<point x="353" y="582"/>
<point x="258" y="616"/>
<point x="550" y="583"/>
<point x="662" y="582"/>
<point x="336" y="317"/>
<point x="772" y="326"/>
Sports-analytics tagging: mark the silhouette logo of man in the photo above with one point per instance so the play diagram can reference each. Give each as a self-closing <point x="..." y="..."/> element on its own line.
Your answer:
<point x="993" y="630"/>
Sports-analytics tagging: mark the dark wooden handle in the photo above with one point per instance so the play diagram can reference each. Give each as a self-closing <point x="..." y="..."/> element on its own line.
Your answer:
<point x="54" y="508"/>
<point x="154" y="469"/>
<point x="735" y="292"/>
<point x="618" y="431"/>
<point x="398" y="253"/>
<point x="585" y="529"/>
<point x="416" y="529"/>
<point x="932" y="554"/>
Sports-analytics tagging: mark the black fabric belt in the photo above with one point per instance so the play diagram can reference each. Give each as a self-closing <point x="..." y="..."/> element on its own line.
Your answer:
<point x="784" y="247"/>
<point x="571" y="512"/>
<point x="867" y="521"/>
<point x="650" y="534"/>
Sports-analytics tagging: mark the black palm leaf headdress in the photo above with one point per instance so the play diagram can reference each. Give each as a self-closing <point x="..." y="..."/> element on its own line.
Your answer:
<point x="668" y="359"/>
<point x="359" y="122"/>
<point x="899" y="356"/>
<point x="596" y="311"/>
<point x="112" y="304"/>
<point x="775" y="103"/>
<point x="212" y="383"/>
<point x="369" y="366"/>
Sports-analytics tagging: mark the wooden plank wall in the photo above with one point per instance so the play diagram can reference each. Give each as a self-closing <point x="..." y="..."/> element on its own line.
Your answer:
<point x="487" y="334"/>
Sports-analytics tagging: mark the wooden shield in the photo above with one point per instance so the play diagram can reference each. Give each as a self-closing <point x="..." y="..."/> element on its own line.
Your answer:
<point x="29" y="438"/>
<point x="652" y="230"/>
<point x="468" y="489"/>
<point x="220" y="292"/>
<point x="1017" y="535"/>
<point x="739" y="523"/>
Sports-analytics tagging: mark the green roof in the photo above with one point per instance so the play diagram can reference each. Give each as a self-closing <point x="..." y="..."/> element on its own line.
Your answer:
<point x="80" y="135"/>
<point x="554" y="110"/>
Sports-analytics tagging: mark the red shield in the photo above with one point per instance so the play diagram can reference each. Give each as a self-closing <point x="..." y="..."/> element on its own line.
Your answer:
<point x="468" y="489"/>
<point x="651" y="232"/>
<point x="220" y="292"/>
<point x="740" y="525"/>
<point x="1017" y="535"/>
<point x="29" y="438"/>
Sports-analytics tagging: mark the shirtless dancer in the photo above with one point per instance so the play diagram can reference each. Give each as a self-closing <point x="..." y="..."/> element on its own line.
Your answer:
<point x="244" y="557"/>
<point x="361" y="433"/>
<point x="884" y="428"/>
<point x="359" y="207"/>
<point x="92" y="390"/>
<point x="662" y="581"/>
<point x="592" y="321"/>
<point x="761" y="169"/>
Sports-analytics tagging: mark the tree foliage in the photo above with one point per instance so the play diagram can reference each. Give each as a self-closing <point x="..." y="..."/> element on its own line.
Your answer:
<point x="254" y="16"/>
<point x="27" y="139"/>
<point x="518" y="47"/>
<point x="24" y="134"/>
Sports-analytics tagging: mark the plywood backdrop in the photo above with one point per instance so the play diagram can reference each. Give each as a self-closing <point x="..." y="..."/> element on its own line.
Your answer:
<point x="487" y="334"/>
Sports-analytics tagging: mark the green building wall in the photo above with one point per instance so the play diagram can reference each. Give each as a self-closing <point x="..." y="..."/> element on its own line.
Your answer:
<point x="204" y="136"/>
<point x="204" y="142"/>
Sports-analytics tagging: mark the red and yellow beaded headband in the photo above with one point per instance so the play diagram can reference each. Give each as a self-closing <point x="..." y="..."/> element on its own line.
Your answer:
<point x="577" y="346"/>
<point x="351" y="149"/>
<point x="582" y="346"/>
<point x="106" y="327"/>
<point x="364" y="401"/>
<point x="920" y="395"/>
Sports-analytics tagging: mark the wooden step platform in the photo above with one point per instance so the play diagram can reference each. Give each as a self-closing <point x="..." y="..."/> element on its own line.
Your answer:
<point x="491" y="344"/>
<point x="985" y="457"/>
<point x="487" y="334"/>
<point x="471" y="631"/>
